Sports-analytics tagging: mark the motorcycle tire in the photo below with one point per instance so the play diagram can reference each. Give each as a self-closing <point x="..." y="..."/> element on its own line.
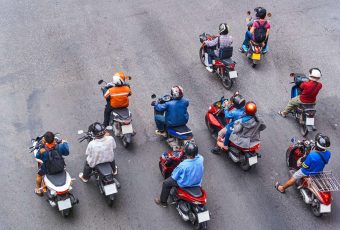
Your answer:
<point x="66" y="212"/>
<point x="254" y="65"/>
<point x="211" y="130"/>
<point x="288" y="158"/>
<point x="203" y="225"/>
<point x="110" y="200"/>
<point x="227" y="82"/>
<point x="303" y="130"/>
<point x="316" y="210"/>
<point x="202" y="57"/>
<point x="245" y="166"/>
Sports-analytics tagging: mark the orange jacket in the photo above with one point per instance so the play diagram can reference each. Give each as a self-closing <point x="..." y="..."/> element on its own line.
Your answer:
<point x="119" y="96"/>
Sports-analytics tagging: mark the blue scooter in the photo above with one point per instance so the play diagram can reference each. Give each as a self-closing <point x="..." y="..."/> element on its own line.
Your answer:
<point x="177" y="136"/>
<point x="305" y="112"/>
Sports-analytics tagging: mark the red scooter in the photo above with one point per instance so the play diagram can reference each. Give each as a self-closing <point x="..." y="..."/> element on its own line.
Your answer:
<point x="190" y="202"/>
<point x="315" y="189"/>
<point x="224" y="67"/>
<point x="215" y="121"/>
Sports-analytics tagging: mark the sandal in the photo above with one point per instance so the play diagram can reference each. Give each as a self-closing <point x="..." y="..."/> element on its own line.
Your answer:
<point x="277" y="184"/>
<point x="282" y="114"/>
<point x="38" y="192"/>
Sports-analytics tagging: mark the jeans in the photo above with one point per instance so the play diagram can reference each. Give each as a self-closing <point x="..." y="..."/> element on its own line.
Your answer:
<point x="292" y="103"/>
<point x="248" y="36"/>
<point x="88" y="170"/>
<point x="166" y="188"/>
<point x="228" y="133"/>
<point x="211" y="55"/>
<point x="107" y="114"/>
<point x="160" y="122"/>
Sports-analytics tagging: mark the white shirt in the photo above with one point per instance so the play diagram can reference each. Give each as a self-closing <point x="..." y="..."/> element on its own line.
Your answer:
<point x="100" y="151"/>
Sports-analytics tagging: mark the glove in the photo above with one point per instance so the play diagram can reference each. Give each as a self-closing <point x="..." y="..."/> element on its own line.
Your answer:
<point x="153" y="103"/>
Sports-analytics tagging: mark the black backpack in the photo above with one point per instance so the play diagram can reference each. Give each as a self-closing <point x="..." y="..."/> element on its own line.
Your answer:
<point x="260" y="33"/>
<point x="55" y="162"/>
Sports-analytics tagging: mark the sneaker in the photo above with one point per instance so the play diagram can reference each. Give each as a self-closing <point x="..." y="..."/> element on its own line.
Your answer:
<point x="243" y="49"/>
<point x="215" y="150"/>
<point x="209" y="69"/>
<point x="158" y="202"/>
<point x="82" y="178"/>
<point x="265" y="50"/>
<point x="160" y="133"/>
<point x="116" y="171"/>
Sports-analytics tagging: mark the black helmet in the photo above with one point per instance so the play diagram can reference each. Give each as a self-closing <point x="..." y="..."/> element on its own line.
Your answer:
<point x="98" y="129"/>
<point x="260" y="12"/>
<point x="190" y="149"/>
<point x="223" y="28"/>
<point x="238" y="101"/>
<point x="322" y="141"/>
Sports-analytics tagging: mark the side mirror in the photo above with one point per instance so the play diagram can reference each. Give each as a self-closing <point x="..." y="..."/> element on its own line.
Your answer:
<point x="80" y="132"/>
<point x="292" y="74"/>
<point x="269" y="15"/>
<point x="109" y="128"/>
<point x="153" y="96"/>
<point x="129" y="77"/>
<point x="248" y="12"/>
<point x="100" y="82"/>
<point x="293" y="140"/>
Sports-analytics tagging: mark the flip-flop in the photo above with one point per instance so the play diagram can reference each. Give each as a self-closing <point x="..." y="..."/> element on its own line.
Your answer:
<point x="282" y="114"/>
<point x="38" y="192"/>
<point x="277" y="184"/>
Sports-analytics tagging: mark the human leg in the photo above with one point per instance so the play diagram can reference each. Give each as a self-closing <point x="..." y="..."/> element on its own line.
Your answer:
<point x="107" y="114"/>
<point x="245" y="44"/>
<point x="296" y="176"/>
<point x="166" y="188"/>
<point x="220" y="137"/>
<point x="292" y="103"/>
<point x="160" y="122"/>
<point x="86" y="174"/>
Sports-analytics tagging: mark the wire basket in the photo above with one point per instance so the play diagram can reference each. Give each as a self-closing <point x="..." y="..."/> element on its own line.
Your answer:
<point x="324" y="182"/>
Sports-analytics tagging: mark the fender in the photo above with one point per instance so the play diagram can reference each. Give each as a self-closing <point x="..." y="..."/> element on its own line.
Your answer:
<point x="213" y="121"/>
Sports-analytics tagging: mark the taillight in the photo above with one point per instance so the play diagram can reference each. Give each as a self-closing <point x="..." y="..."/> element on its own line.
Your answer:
<point x="231" y="66"/>
<point x="63" y="192"/>
<point x="257" y="49"/>
<point x="326" y="197"/>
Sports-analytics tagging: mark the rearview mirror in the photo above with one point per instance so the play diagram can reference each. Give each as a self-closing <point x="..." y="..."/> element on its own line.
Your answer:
<point x="109" y="128"/>
<point x="153" y="96"/>
<point x="129" y="77"/>
<point x="292" y="74"/>
<point x="80" y="132"/>
<point x="100" y="82"/>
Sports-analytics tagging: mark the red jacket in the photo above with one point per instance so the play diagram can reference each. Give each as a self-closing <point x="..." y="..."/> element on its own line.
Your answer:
<point x="310" y="90"/>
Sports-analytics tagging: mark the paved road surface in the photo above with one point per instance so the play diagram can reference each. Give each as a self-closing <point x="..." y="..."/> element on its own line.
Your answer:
<point x="52" y="53"/>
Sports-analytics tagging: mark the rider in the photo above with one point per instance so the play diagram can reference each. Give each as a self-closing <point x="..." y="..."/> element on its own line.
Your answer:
<point x="48" y="143"/>
<point x="247" y="129"/>
<point x="256" y="26"/>
<point x="188" y="173"/>
<point x="310" y="90"/>
<point x="176" y="111"/>
<point x="99" y="150"/>
<point x="117" y="95"/>
<point x="218" y="43"/>
<point x="315" y="162"/>
<point x="238" y="103"/>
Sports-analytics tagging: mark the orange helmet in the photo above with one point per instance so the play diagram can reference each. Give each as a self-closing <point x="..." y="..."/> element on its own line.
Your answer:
<point x="250" y="108"/>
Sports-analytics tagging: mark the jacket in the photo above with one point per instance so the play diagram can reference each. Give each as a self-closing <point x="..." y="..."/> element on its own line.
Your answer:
<point x="225" y="41"/>
<point x="176" y="112"/>
<point x="246" y="133"/>
<point x="100" y="151"/>
<point x="119" y="96"/>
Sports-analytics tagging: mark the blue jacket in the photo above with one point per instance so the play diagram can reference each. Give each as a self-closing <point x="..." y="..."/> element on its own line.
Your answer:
<point x="42" y="154"/>
<point x="189" y="172"/>
<point x="314" y="163"/>
<point x="176" y="112"/>
<point x="234" y="115"/>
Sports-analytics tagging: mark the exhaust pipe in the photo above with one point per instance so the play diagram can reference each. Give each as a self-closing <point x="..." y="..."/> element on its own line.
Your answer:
<point x="233" y="157"/>
<point x="306" y="198"/>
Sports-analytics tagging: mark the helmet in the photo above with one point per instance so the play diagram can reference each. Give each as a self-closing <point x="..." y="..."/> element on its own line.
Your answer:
<point x="314" y="74"/>
<point x="238" y="101"/>
<point x="223" y="28"/>
<point x="250" y="108"/>
<point x="260" y="12"/>
<point x="177" y="92"/>
<point x="117" y="79"/>
<point x="322" y="141"/>
<point x="98" y="129"/>
<point x="190" y="149"/>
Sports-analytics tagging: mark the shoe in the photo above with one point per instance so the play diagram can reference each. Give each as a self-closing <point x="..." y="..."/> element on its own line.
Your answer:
<point x="243" y="49"/>
<point x="158" y="202"/>
<point x="116" y="171"/>
<point x="38" y="192"/>
<point x="82" y="178"/>
<point x="160" y="133"/>
<point x="265" y="50"/>
<point x="209" y="69"/>
<point x="215" y="150"/>
<point x="282" y="114"/>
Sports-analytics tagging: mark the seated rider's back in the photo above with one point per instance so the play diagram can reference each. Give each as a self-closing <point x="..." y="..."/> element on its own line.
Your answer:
<point x="119" y="96"/>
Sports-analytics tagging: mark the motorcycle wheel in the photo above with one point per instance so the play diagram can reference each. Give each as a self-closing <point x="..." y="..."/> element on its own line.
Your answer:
<point x="202" y="57"/>
<point x="253" y="65"/>
<point x="245" y="166"/>
<point x="197" y="225"/>
<point x="109" y="200"/>
<point x="316" y="210"/>
<point x="227" y="82"/>
<point x="211" y="130"/>
<point x="303" y="130"/>
<point x="66" y="212"/>
<point x="288" y="158"/>
<point x="125" y="144"/>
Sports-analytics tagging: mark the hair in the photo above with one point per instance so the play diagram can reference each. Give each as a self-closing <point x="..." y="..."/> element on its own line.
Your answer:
<point x="49" y="137"/>
<point x="225" y="32"/>
<point x="262" y="16"/>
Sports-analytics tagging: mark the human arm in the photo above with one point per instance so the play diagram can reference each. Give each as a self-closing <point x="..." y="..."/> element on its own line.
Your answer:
<point x="160" y="107"/>
<point x="177" y="173"/>
<point x="212" y="42"/>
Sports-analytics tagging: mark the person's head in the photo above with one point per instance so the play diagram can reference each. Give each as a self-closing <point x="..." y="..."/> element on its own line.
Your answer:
<point x="314" y="74"/>
<point x="177" y="92"/>
<point x="190" y="149"/>
<point x="238" y="101"/>
<point x="322" y="142"/>
<point x="250" y="108"/>
<point x="49" y="137"/>
<point x="260" y="12"/>
<point x="117" y="79"/>
<point x="223" y="29"/>
<point x="98" y="130"/>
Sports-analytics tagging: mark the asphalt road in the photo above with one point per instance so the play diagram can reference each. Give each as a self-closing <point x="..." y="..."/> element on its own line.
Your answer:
<point x="52" y="53"/>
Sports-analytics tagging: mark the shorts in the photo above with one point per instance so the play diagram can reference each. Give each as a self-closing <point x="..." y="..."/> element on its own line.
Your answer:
<point x="298" y="174"/>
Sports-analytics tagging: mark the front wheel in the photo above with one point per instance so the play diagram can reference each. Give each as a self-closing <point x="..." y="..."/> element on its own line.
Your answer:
<point x="303" y="130"/>
<point x="66" y="212"/>
<point x="202" y="55"/>
<point x="227" y="82"/>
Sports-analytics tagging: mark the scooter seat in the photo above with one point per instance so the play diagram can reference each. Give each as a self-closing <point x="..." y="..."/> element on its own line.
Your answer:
<point x="104" y="169"/>
<point x="123" y="113"/>
<point x="228" y="61"/>
<point x="308" y="105"/>
<point x="58" y="179"/>
<point x="193" y="191"/>
<point x="181" y="129"/>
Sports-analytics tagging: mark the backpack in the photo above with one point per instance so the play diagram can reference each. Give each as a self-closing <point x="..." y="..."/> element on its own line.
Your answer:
<point x="55" y="162"/>
<point x="260" y="33"/>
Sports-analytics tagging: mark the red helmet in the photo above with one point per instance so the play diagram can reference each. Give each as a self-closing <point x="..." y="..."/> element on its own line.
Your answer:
<point x="250" y="108"/>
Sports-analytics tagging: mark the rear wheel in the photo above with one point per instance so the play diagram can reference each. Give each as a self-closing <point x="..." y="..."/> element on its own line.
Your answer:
<point x="66" y="212"/>
<point x="245" y="165"/>
<point x="110" y="199"/>
<point x="227" y="82"/>
<point x="202" y="56"/>
<point x="316" y="209"/>
<point x="253" y="65"/>
<point x="125" y="143"/>
<point x="303" y="130"/>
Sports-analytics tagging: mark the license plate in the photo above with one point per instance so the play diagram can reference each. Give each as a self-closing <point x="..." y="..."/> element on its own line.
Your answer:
<point x="110" y="189"/>
<point x="309" y="120"/>
<point x="325" y="208"/>
<point x="203" y="216"/>
<point x="255" y="56"/>
<point x="233" y="74"/>
<point x="127" y="129"/>
<point x="64" y="204"/>
<point x="252" y="160"/>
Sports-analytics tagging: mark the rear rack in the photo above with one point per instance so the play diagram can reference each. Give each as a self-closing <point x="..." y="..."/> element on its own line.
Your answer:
<point x="324" y="182"/>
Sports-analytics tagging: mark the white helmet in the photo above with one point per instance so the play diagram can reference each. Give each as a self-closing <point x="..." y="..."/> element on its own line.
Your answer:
<point x="117" y="81"/>
<point x="314" y="74"/>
